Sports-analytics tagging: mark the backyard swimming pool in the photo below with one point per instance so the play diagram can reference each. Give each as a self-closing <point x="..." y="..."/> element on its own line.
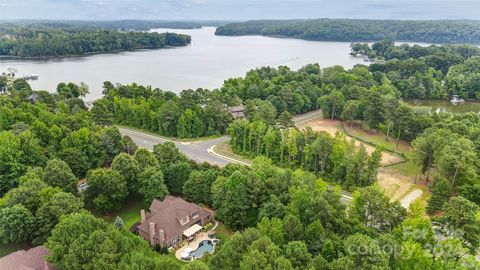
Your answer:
<point x="206" y="246"/>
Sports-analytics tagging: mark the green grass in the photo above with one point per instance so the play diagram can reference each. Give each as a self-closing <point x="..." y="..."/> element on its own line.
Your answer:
<point x="223" y="233"/>
<point x="408" y="168"/>
<point x="225" y="149"/>
<point x="172" y="257"/>
<point x="6" y="249"/>
<point x="130" y="212"/>
<point x="205" y="138"/>
<point x="377" y="138"/>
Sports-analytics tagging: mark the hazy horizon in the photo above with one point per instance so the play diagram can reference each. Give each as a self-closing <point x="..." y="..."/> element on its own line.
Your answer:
<point x="237" y="10"/>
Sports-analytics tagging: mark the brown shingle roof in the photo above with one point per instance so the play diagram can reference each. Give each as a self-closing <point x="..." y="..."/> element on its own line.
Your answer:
<point x="32" y="259"/>
<point x="167" y="213"/>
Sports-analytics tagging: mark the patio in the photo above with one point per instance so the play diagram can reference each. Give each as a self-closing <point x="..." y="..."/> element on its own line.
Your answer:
<point x="193" y="245"/>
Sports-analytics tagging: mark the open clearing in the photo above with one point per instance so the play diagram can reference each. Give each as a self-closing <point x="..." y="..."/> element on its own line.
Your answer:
<point x="332" y="126"/>
<point x="394" y="177"/>
<point x="395" y="185"/>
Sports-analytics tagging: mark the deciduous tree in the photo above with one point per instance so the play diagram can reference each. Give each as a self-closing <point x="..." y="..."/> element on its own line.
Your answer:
<point x="106" y="189"/>
<point x="59" y="174"/>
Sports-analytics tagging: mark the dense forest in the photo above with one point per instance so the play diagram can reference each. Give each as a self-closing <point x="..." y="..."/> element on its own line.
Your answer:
<point x="455" y="67"/>
<point x="334" y="158"/>
<point x="45" y="41"/>
<point x="192" y="114"/>
<point x="441" y="31"/>
<point x="286" y="209"/>
<point x="287" y="218"/>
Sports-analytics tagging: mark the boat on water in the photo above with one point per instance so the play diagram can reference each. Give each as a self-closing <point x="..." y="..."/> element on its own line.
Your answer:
<point x="30" y="77"/>
<point x="455" y="100"/>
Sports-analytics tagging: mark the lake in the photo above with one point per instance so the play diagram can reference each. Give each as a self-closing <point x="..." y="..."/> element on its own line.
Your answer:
<point x="206" y="63"/>
<point x="446" y="106"/>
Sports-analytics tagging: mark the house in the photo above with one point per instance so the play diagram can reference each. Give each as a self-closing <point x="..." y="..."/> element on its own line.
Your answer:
<point x="170" y="221"/>
<point x="237" y="111"/>
<point x="32" y="98"/>
<point x="82" y="185"/>
<point x="32" y="259"/>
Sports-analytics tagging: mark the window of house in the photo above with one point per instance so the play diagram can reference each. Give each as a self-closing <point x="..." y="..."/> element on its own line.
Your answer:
<point x="184" y="220"/>
<point x="195" y="214"/>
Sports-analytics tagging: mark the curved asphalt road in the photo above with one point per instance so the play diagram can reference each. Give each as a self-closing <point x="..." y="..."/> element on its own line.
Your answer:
<point x="201" y="151"/>
<point x="198" y="151"/>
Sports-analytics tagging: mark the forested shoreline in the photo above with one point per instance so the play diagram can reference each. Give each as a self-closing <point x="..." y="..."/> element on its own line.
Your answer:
<point x="286" y="209"/>
<point x="287" y="218"/>
<point x="354" y="30"/>
<point x="119" y="25"/>
<point x="40" y="41"/>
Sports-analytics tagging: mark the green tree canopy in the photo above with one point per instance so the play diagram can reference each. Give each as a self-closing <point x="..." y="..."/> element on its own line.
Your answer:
<point x="106" y="189"/>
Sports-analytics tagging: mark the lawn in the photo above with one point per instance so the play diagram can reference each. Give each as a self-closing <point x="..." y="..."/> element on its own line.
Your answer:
<point x="377" y="138"/>
<point x="225" y="149"/>
<point x="130" y="212"/>
<point x="223" y="233"/>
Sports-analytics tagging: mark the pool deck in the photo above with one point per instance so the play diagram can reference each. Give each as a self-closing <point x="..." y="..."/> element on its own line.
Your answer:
<point x="194" y="244"/>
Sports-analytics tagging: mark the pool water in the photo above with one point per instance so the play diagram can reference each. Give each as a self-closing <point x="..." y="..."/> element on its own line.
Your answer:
<point x="206" y="246"/>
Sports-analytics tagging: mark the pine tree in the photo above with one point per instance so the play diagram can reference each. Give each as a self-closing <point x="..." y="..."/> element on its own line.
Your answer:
<point x="440" y="195"/>
<point x="119" y="223"/>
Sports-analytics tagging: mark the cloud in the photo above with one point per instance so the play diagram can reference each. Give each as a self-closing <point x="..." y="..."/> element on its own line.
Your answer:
<point x="238" y="9"/>
<point x="181" y="4"/>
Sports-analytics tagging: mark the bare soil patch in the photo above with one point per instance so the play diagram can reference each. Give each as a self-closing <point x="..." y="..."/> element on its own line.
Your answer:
<point x="410" y="197"/>
<point x="333" y="126"/>
<point x="395" y="184"/>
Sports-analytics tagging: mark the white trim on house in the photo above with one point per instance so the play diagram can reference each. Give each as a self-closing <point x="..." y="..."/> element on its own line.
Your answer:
<point x="192" y="230"/>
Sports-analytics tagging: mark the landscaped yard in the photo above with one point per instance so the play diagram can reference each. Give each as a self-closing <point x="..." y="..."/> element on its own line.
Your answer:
<point x="223" y="233"/>
<point x="130" y="212"/>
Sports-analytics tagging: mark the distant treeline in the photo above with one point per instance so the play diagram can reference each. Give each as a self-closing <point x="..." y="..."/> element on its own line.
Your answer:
<point x="438" y="31"/>
<point x="47" y="42"/>
<point x="121" y="25"/>
<point x="109" y="25"/>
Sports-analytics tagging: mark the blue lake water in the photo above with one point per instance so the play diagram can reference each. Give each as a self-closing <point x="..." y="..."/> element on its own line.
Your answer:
<point x="205" y="63"/>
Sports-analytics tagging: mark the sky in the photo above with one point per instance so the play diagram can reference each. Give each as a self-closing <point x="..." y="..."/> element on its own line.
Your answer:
<point x="237" y="9"/>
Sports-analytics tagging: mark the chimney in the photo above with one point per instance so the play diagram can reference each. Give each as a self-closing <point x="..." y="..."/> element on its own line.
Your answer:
<point x="151" y="233"/>
<point x="161" y="236"/>
<point x="142" y="216"/>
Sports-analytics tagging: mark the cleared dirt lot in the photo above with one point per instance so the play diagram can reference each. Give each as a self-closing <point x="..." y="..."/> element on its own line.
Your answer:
<point x="395" y="185"/>
<point x="332" y="126"/>
<point x="394" y="180"/>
